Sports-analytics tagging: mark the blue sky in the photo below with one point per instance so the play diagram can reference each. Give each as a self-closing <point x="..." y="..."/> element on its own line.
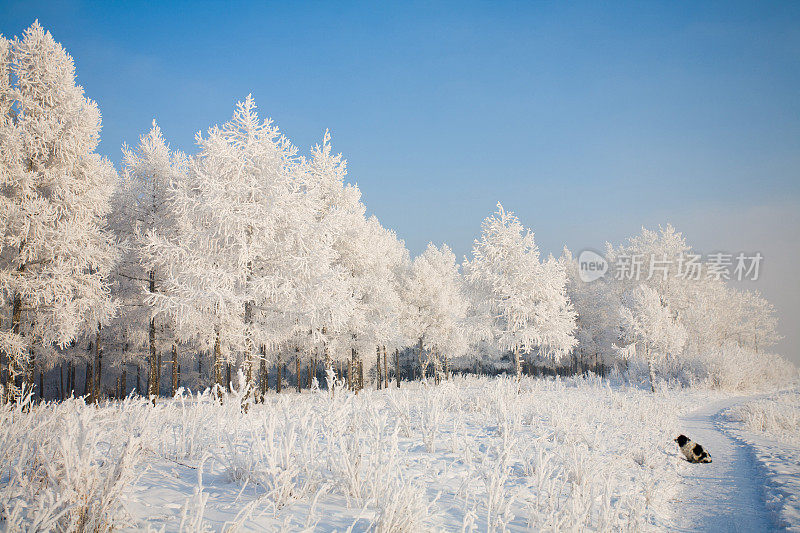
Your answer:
<point x="588" y="120"/>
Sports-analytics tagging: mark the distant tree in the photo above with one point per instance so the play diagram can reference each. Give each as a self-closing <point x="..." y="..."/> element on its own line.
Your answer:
<point x="710" y="314"/>
<point x="596" y="309"/>
<point x="55" y="250"/>
<point x="526" y="302"/>
<point x="756" y="320"/>
<point x="649" y="323"/>
<point x="437" y="306"/>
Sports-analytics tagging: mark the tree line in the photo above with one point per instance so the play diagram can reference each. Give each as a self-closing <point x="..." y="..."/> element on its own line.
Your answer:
<point x="253" y="257"/>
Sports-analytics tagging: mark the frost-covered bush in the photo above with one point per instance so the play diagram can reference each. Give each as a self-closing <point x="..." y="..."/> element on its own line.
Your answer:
<point x="736" y="369"/>
<point x="728" y="368"/>
<point x="777" y="416"/>
<point x="67" y="465"/>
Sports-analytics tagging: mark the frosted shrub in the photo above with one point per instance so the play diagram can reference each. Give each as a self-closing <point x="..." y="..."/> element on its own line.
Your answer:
<point x="777" y="416"/>
<point x="404" y="507"/>
<point x="429" y="415"/>
<point x="67" y="466"/>
<point x="734" y="368"/>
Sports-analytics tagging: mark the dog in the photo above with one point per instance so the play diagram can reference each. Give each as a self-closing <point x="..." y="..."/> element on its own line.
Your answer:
<point x="693" y="452"/>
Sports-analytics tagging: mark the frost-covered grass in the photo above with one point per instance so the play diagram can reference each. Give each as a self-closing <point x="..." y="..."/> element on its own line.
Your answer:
<point x="777" y="416"/>
<point x="471" y="453"/>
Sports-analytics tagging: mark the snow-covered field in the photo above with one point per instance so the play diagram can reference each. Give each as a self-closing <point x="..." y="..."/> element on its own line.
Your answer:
<point x="770" y="426"/>
<point x="470" y="453"/>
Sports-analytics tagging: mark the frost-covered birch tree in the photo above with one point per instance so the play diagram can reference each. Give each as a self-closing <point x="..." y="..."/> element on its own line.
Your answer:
<point x="360" y="311"/>
<point x="55" y="251"/>
<point x="238" y="273"/>
<point x="526" y="305"/>
<point x="437" y="307"/>
<point x="647" y="321"/>
<point x="337" y="222"/>
<point x="596" y="309"/>
<point x="142" y="209"/>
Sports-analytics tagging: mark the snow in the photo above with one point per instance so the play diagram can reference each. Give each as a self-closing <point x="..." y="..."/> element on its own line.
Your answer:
<point x="468" y="454"/>
<point x="754" y="482"/>
<point x="775" y="445"/>
<point x="471" y="453"/>
<point x="727" y="494"/>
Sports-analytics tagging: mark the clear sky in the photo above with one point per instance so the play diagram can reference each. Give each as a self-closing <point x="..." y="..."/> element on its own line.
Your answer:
<point x="588" y="120"/>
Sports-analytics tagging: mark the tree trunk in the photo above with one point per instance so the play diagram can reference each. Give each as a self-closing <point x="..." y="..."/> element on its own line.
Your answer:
<point x="2" y="368"/>
<point x="216" y="368"/>
<point x="216" y="365"/>
<point x="41" y="384"/>
<point x="30" y="374"/>
<point x="297" y="367"/>
<point x="278" y="384"/>
<point x="262" y="363"/>
<point x="174" y="370"/>
<point x="249" y="356"/>
<point x="385" y="370"/>
<point x="61" y="382"/>
<point x="12" y="362"/>
<point x="98" y="362"/>
<point x="378" y="381"/>
<point x="152" y="379"/>
<point x="158" y="374"/>
<point x="87" y="380"/>
<point x="650" y="369"/>
<point x="350" y="372"/>
<point x="422" y="365"/>
<point x="397" y="367"/>
<point x="228" y="382"/>
<point x="124" y="384"/>
<point x="138" y="380"/>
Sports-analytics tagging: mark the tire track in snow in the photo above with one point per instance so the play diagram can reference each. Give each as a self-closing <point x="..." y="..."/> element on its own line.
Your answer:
<point x="727" y="494"/>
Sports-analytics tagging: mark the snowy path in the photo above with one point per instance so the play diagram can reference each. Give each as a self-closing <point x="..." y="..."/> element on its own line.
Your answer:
<point x="728" y="494"/>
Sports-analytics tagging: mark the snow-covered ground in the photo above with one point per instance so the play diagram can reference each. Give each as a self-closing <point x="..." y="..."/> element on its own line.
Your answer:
<point x="770" y="428"/>
<point x="468" y="454"/>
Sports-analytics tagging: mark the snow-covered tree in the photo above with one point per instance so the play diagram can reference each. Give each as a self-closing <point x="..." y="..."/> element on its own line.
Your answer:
<point x="338" y="224"/>
<point x="55" y="252"/>
<point x="757" y="324"/>
<point x="712" y="314"/>
<point x="437" y="306"/>
<point x="360" y="311"/>
<point x="247" y="263"/>
<point x="143" y="208"/>
<point x="649" y="323"/>
<point x="527" y="306"/>
<point x="595" y="307"/>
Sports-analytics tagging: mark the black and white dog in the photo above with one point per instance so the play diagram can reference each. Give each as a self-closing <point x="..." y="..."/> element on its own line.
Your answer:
<point x="693" y="452"/>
